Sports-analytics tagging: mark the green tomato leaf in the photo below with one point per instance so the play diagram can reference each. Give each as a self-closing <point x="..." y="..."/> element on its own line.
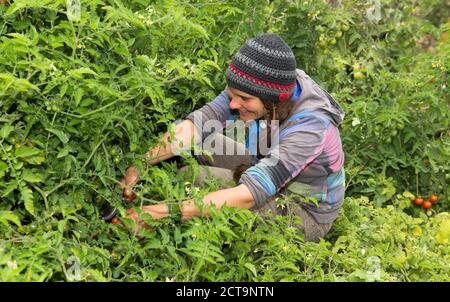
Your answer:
<point x="11" y="187"/>
<point x="6" y="130"/>
<point x="6" y="216"/>
<point x="27" y="198"/>
<point x="24" y="151"/>
<point x="78" y="73"/>
<point x="408" y="195"/>
<point x="443" y="236"/>
<point x="63" y="152"/>
<point x="37" y="160"/>
<point x="61" y="135"/>
<point x="3" y="168"/>
<point x="78" y="96"/>
<point x="31" y="177"/>
<point x="251" y="267"/>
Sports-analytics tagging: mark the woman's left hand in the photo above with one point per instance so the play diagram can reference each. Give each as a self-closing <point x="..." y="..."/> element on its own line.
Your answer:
<point x="156" y="211"/>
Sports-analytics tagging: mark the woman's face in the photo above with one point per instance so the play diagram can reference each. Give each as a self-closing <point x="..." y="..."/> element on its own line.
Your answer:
<point x="250" y="107"/>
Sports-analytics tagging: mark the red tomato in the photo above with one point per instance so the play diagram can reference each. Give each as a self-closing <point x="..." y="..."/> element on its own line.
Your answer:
<point x="115" y="220"/>
<point x="418" y="201"/>
<point x="427" y="204"/>
<point x="433" y="198"/>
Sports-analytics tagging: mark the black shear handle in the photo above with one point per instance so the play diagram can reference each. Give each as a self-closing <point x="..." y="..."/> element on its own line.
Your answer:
<point x="108" y="212"/>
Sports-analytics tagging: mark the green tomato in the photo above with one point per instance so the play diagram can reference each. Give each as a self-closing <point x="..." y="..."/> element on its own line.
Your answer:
<point x="345" y="27"/>
<point x="388" y="140"/>
<point x="33" y="227"/>
<point x="401" y="126"/>
<point x="359" y="75"/>
<point x="25" y="229"/>
<point x="394" y="132"/>
<point x="338" y="34"/>
<point x="116" y="159"/>
<point x="333" y="41"/>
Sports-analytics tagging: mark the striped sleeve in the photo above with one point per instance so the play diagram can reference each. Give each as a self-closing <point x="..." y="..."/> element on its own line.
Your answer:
<point x="299" y="145"/>
<point x="212" y="116"/>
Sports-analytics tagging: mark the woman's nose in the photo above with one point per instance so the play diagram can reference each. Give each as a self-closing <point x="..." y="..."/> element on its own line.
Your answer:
<point x="235" y="104"/>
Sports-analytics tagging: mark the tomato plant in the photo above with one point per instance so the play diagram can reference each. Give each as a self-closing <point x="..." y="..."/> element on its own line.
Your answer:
<point x="83" y="97"/>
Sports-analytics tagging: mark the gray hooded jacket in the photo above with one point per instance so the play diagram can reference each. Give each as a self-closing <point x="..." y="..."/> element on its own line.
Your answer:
<point x="306" y="157"/>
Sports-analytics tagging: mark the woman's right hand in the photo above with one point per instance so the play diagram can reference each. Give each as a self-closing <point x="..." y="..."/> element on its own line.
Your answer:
<point x="127" y="183"/>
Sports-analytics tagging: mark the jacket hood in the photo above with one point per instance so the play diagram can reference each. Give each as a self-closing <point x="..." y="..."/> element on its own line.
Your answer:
<point x="314" y="98"/>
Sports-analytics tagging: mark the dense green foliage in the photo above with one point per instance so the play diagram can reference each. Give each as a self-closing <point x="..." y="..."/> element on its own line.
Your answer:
<point x="81" y="99"/>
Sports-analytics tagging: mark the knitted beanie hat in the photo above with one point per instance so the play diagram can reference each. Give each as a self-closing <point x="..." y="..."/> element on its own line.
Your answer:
<point x="264" y="67"/>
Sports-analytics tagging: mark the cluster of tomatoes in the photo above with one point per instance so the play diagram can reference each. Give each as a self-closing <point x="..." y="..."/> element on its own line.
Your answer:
<point x="330" y="37"/>
<point x="116" y="154"/>
<point x="426" y="204"/>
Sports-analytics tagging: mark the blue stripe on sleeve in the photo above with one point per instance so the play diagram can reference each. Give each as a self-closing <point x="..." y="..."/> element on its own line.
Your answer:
<point x="262" y="178"/>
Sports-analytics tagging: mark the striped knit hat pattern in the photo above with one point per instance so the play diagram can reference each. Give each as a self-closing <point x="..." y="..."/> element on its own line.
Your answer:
<point x="264" y="67"/>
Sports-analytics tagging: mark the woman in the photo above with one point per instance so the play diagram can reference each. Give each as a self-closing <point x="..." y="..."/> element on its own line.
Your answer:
<point x="297" y="147"/>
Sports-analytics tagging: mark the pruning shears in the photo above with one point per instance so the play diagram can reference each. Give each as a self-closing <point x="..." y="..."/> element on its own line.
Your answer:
<point x="108" y="212"/>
